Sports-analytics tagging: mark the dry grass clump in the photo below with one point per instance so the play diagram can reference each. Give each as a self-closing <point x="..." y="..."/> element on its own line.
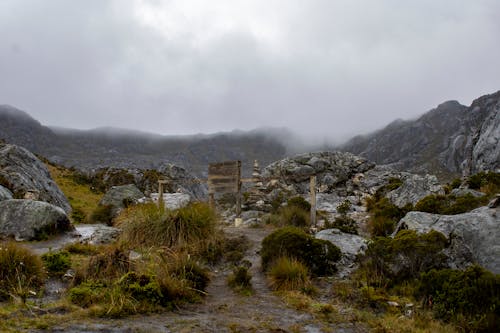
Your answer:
<point x="20" y="271"/>
<point x="289" y="274"/>
<point x="191" y="227"/>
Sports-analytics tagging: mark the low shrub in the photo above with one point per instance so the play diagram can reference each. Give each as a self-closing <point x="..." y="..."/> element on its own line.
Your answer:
<point x="344" y="207"/>
<point x="299" y="202"/>
<point x="449" y="204"/>
<point x="78" y="215"/>
<point x="318" y="255"/>
<point x="384" y="215"/>
<point x="470" y="298"/>
<point x="391" y="261"/>
<point x="345" y="224"/>
<point x="484" y="179"/>
<point x="240" y="280"/>
<point x="20" y="271"/>
<point x="288" y="274"/>
<point x="57" y="263"/>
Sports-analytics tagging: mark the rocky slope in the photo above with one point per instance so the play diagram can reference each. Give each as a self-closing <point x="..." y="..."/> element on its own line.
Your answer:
<point x="129" y="149"/>
<point x="449" y="140"/>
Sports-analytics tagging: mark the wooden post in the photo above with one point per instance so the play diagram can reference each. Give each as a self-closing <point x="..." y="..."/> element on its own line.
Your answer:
<point x="313" y="200"/>
<point x="238" y="201"/>
<point x="211" y="200"/>
<point x="161" y="189"/>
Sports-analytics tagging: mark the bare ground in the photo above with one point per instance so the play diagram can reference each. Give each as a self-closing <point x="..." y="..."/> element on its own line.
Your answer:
<point x="222" y="309"/>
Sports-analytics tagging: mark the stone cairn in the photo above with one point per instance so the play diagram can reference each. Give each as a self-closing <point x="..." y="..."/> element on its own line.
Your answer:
<point x="254" y="198"/>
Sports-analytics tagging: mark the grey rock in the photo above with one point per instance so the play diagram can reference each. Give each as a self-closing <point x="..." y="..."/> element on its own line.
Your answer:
<point x="474" y="235"/>
<point x="21" y="172"/>
<point x="117" y="196"/>
<point x="28" y="219"/>
<point x="5" y="194"/>
<point x="350" y="245"/>
<point x="250" y="214"/>
<point x="460" y="192"/>
<point x="495" y="202"/>
<point x="414" y="188"/>
<point x="104" y="235"/>
<point x="182" y="181"/>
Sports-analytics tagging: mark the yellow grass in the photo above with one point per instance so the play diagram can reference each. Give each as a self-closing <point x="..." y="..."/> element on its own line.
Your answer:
<point x="80" y="196"/>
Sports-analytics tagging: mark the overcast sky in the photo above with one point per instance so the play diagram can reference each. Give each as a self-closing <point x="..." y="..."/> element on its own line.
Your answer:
<point x="323" y="68"/>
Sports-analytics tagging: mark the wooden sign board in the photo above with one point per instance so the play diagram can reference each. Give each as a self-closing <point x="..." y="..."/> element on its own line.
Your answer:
<point x="224" y="177"/>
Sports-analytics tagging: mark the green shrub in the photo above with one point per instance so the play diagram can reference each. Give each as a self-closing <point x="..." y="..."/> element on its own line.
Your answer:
<point x="345" y="224"/>
<point x="240" y="280"/>
<point x="393" y="183"/>
<point x="79" y="248"/>
<point x="483" y="179"/>
<point x="288" y="274"/>
<point x="473" y="295"/>
<point x="449" y="204"/>
<point x="456" y="183"/>
<point x="57" y="263"/>
<point x="87" y="293"/>
<point x="344" y="207"/>
<point x="318" y="255"/>
<point x="390" y="261"/>
<point x="384" y="215"/>
<point x="299" y="202"/>
<point x="102" y="214"/>
<point x="20" y="271"/>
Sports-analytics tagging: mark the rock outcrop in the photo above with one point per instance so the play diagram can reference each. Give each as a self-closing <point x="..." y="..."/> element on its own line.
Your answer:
<point x="182" y="181"/>
<point x="28" y="219"/>
<point x="350" y="245"/>
<point x="5" y="194"/>
<point x="173" y="201"/>
<point x="473" y="236"/>
<point x="345" y="176"/>
<point x="119" y="197"/>
<point x="21" y="172"/>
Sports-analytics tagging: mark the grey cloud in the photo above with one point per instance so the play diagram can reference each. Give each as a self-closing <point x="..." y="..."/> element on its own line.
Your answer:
<point x="333" y="68"/>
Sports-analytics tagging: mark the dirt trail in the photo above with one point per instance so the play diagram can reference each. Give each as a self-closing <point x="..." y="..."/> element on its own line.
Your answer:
<point x="222" y="310"/>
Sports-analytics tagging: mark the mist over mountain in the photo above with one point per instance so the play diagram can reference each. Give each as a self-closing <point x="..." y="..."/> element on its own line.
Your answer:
<point x="448" y="141"/>
<point x="124" y="148"/>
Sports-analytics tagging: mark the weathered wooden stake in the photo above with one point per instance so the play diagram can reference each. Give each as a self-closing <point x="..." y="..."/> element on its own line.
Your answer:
<point x="313" y="200"/>
<point x="211" y="200"/>
<point x="161" y="189"/>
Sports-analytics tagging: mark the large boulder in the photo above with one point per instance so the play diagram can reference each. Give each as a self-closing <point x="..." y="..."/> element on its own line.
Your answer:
<point x="28" y="219"/>
<point x="5" y="194"/>
<point x="413" y="188"/>
<point x="350" y="245"/>
<point x="474" y="236"/>
<point x="182" y="181"/>
<point x="118" y="197"/>
<point x="24" y="174"/>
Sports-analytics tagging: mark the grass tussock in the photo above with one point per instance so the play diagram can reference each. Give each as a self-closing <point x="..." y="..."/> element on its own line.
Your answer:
<point x="289" y="274"/>
<point x="21" y="272"/>
<point x="191" y="227"/>
<point x="240" y="279"/>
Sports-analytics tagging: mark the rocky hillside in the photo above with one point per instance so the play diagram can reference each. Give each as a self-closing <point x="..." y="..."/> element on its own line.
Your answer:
<point x="449" y="140"/>
<point x="106" y="147"/>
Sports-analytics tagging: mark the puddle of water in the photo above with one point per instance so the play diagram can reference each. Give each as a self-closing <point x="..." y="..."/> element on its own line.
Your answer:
<point x="82" y="232"/>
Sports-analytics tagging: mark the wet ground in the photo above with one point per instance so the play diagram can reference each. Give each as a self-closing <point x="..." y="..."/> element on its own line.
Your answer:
<point x="222" y="310"/>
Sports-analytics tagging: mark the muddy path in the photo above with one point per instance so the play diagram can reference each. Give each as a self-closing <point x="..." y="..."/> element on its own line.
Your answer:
<point x="222" y="310"/>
